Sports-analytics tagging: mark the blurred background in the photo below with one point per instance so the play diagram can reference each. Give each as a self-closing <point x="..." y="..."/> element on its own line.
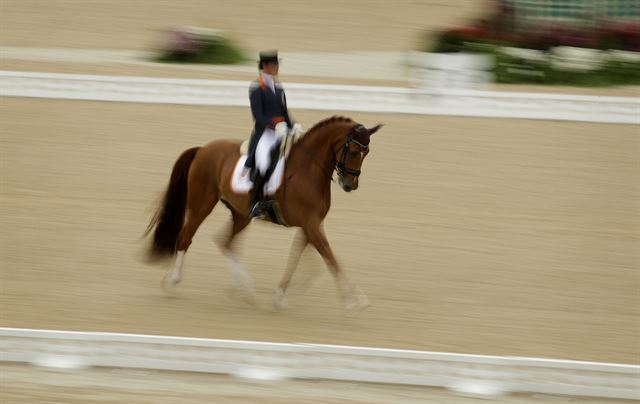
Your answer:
<point x="477" y="235"/>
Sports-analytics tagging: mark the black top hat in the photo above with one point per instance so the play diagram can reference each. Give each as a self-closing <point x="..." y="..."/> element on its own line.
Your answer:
<point x="270" y="56"/>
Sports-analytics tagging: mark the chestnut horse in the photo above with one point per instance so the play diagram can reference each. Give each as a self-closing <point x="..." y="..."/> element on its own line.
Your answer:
<point x="201" y="177"/>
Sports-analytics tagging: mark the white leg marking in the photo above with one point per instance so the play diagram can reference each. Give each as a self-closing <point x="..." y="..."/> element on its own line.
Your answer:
<point x="357" y="302"/>
<point x="280" y="302"/>
<point x="174" y="276"/>
<point x="241" y="276"/>
<point x="353" y="298"/>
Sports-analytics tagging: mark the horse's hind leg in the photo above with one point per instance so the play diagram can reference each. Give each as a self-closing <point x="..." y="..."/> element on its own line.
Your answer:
<point x="199" y="206"/>
<point x="240" y="274"/>
<point x="299" y="243"/>
<point x="353" y="298"/>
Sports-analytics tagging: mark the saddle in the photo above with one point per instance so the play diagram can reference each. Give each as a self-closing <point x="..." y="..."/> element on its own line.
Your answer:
<point x="269" y="209"/>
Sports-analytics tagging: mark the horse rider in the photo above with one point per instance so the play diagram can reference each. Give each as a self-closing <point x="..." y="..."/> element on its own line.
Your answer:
<point x="272" y="123"/>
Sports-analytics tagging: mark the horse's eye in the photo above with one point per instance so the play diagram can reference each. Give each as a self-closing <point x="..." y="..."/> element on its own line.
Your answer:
<point x="353" y="154"/>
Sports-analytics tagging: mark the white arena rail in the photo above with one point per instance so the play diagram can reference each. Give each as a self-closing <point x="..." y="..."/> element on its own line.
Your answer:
<point x="325" y="97"/>
<point x="466" y="373"/>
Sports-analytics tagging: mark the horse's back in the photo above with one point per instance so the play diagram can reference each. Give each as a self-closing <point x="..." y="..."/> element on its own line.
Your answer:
<point x="220" y="151"/>
<point x="224" y="145"/>
<point x="214" y="164"/>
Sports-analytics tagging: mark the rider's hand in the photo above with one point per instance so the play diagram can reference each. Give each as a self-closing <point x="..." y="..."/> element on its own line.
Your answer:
<point x="281" y="130"/>
<point x="296" y="131"/>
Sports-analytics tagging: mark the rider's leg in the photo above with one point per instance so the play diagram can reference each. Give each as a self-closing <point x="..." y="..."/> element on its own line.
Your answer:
<point x="250" y="163"/>
<point x="260" y="179"/>
<point x="273" y="158"/>
<point x="255" y="208"/>
<point x="274" y="154"/>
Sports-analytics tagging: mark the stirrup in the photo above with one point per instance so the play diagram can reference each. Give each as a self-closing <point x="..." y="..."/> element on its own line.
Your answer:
<point x="257" y="210"/>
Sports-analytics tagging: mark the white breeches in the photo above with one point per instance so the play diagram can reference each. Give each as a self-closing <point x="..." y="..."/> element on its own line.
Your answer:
<point x="263" y="150"/>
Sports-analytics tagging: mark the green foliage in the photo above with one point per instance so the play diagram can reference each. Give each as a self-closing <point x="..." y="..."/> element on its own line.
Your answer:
<point x="448" y="42"/>
<point x="515" y="70"/>
<point x="623" y="72"/>
<point x="194" y="45"/>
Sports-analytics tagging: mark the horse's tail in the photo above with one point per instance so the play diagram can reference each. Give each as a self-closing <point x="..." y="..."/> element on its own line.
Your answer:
<point x="169" y="217"/>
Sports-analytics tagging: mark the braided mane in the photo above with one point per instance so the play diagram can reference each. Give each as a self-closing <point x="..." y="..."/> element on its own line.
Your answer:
<point x="325" y="122"/>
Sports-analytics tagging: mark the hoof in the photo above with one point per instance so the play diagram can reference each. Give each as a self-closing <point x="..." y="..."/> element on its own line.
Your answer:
<point x="169" y="284"/>
<point x="245" y="291"/>
<point x="249" y="297"/>
<point x="242" y="295"/>
<point x="280" y="302"/>
<point x="357" y="303"/>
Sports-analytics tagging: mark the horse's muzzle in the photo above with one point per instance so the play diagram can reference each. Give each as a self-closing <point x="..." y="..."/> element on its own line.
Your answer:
<point x="347" y="184"/>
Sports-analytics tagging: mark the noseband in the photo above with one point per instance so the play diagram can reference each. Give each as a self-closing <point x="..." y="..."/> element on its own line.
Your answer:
<point x="341" y="167"/>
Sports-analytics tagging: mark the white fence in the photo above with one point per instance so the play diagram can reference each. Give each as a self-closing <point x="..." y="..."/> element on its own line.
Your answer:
<point x="468" y="373"/>
<point x="325" y="97"/>
<point x="451" y="70"/>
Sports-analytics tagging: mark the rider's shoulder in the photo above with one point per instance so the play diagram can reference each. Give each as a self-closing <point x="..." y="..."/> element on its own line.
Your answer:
<point x="255" y="86"/>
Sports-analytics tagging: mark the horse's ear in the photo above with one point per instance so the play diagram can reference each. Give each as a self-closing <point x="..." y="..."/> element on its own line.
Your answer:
<point x="375" y="129"/>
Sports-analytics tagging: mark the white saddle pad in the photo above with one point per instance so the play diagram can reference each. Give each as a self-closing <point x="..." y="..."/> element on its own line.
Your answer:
<point x="241" y="185"/>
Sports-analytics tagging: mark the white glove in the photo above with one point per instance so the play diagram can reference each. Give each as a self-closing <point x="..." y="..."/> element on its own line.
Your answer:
<point x="296" y="131"/>
<point x="281" y="130"/>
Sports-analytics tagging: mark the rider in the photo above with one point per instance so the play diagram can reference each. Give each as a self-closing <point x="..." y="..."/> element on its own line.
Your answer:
<point x="269" y="110"/>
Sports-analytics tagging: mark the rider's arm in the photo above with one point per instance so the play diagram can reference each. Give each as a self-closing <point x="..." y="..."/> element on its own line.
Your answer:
<point x="286" y="111"/>
<point x="255" y="97"/>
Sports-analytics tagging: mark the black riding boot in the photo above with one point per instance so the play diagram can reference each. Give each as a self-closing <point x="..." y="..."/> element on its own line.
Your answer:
<point x="258" y="202"/>
<point x="257" y="194"/>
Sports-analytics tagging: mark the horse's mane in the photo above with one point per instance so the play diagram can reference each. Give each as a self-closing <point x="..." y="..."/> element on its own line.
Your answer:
<point x="325" y="122"/>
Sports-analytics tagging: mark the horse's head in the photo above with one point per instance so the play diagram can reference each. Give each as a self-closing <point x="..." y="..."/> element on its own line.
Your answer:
<point x="351" y="154"/>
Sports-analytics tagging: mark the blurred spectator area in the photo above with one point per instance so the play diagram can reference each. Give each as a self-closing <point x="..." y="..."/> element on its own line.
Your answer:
<point x="558" y="42"/>
<point x="574" y="11"/>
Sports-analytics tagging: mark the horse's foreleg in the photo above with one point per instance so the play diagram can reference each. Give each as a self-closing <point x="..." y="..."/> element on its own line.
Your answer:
<point x="353" y="298"/>
<point x="300" y="241"/>
<point x="240" y="274"/>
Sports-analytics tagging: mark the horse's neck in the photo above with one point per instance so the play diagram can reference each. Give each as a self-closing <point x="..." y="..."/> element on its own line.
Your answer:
<point x="320" y="146"/>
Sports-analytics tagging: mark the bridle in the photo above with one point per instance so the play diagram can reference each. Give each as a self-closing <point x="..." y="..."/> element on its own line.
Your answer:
<point x="341" y="166"/>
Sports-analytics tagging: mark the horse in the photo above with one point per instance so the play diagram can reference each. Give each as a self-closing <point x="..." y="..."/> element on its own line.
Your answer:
<point x="201" y="177"/>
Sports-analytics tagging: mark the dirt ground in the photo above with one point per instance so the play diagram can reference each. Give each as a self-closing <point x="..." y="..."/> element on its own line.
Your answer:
<point x="507" y="237"/>
<point x="486" y="236"/>
<point x="307" y="25"/>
